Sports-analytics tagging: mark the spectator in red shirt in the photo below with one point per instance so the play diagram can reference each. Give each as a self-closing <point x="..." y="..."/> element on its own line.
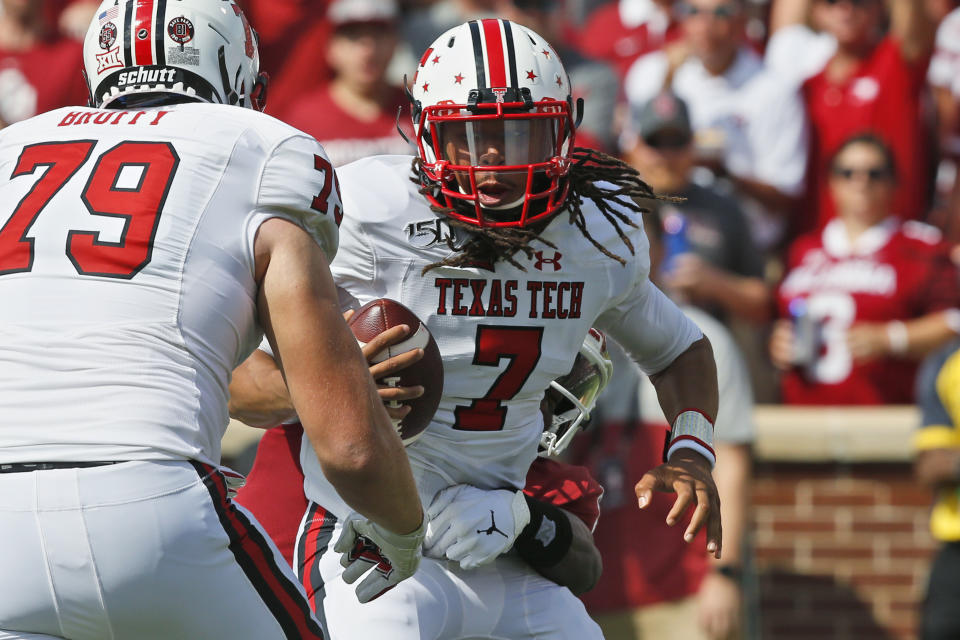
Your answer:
<point x="872" y="82"/>
<point x="355" y="115"/>
<point x="39" y="70"/>
<point x="622" y="31"/>
<point x="870" y="293"/>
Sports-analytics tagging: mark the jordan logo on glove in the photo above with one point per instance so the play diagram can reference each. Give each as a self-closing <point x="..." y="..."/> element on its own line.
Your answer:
<point x="493" y="527"/>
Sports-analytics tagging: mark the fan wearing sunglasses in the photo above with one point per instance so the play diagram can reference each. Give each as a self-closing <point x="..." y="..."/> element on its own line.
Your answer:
<point x="868" y="296"/>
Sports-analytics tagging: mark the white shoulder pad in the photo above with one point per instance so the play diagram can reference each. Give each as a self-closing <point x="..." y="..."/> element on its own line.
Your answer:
<point x="299" y="184"/>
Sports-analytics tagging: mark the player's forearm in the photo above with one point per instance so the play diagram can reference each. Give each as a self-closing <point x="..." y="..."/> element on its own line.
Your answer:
<point x="559" y="546"/>
<point x="258" y="393"/>
<point x="912" y="27"/>
<point x="357" y="446"/>
<point x="329" y="382"/>
<point x="580" y="568"/>
<point x="732" y="475"/>
<point x="689" y="382"/>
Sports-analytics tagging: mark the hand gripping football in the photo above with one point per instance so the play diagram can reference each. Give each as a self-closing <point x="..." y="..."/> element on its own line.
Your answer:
<point x="377" y="316"/>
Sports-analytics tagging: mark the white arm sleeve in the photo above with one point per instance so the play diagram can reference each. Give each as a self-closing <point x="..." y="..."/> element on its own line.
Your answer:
<point x="650" y="327"/>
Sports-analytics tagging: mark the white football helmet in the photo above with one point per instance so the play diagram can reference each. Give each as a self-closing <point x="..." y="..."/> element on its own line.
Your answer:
<point x="578" y="392"/>
<point x="493" y="81"/>
<point x="137" y="50"/>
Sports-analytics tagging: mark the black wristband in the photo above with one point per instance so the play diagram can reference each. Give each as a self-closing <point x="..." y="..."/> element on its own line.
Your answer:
<point x="547" y="539"/>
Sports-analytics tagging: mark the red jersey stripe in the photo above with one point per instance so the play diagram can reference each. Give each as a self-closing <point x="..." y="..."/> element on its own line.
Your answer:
<point x="495" y="59"/>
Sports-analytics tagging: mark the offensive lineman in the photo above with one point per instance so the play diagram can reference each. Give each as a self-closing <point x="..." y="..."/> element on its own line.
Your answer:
<point x="145" y="245"/>
<point x="503" y="241"/>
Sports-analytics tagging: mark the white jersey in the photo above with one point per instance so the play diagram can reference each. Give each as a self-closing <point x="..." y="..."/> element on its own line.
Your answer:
<point x="503" y="334"/>
<point x="127" y="272"/>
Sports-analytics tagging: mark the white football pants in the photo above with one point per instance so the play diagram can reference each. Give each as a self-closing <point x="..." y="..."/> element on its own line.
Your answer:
<point x="140" y="551"/>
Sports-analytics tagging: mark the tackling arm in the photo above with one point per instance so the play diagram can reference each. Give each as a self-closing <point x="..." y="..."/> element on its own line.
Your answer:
<point x="577" y="564"/>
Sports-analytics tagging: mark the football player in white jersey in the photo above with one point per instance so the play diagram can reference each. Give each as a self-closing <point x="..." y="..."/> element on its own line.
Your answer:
<point x="510" y="244"/>
<point x="146" y="244"/>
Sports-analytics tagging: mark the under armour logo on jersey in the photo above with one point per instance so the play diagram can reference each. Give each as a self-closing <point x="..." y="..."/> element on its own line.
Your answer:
<point x="499" y="93"/>
<point x="547" y="532"/>
<point x="492" y="529"/>
<point x="555" y="260"/>
<point x="364" y="549"/>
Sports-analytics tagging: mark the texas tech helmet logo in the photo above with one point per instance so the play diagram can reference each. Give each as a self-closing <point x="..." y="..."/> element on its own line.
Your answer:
<point x="499" y="92"/>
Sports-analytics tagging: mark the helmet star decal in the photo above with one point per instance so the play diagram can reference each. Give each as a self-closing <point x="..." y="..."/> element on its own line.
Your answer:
<point x="559" y="82"/>
<point x="426" y="86"/>
<point x="458" y="78"/>
<point x="545" y="53"/>
<point x="436" y="59"/>
<point x="531" y="75"/>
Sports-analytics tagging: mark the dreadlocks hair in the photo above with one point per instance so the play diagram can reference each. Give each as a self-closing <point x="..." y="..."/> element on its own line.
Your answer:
<point x="590" y="166"/>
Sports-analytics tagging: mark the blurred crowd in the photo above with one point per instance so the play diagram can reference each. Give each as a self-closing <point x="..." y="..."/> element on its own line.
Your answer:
<point x="811" y="146"/>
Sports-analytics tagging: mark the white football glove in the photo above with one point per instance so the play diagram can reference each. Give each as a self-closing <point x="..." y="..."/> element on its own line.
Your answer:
<point x="473" y="526"/>
<point x="391" y="556"/>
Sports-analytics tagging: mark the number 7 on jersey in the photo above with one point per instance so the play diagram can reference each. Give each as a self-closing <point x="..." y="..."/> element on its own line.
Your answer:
<point x="519" y="345"/>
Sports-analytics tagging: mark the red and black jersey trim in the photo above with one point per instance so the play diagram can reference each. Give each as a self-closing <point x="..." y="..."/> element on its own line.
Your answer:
<point x="313" y="541"/>
<point x="258" y="560"/>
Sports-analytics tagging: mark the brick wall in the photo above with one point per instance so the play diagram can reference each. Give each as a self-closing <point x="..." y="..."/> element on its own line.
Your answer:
<point x="842" y="550"/>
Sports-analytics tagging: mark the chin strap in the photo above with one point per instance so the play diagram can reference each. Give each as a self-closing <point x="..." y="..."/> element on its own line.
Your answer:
<point x="258" y="96"/>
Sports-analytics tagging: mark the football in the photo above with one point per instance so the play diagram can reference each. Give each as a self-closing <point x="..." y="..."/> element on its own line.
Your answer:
<point x="377" y="316"/>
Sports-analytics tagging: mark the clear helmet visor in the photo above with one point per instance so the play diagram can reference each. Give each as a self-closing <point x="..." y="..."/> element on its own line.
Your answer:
<point x="492" y="158"/>
<point x="495" y="142"/>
